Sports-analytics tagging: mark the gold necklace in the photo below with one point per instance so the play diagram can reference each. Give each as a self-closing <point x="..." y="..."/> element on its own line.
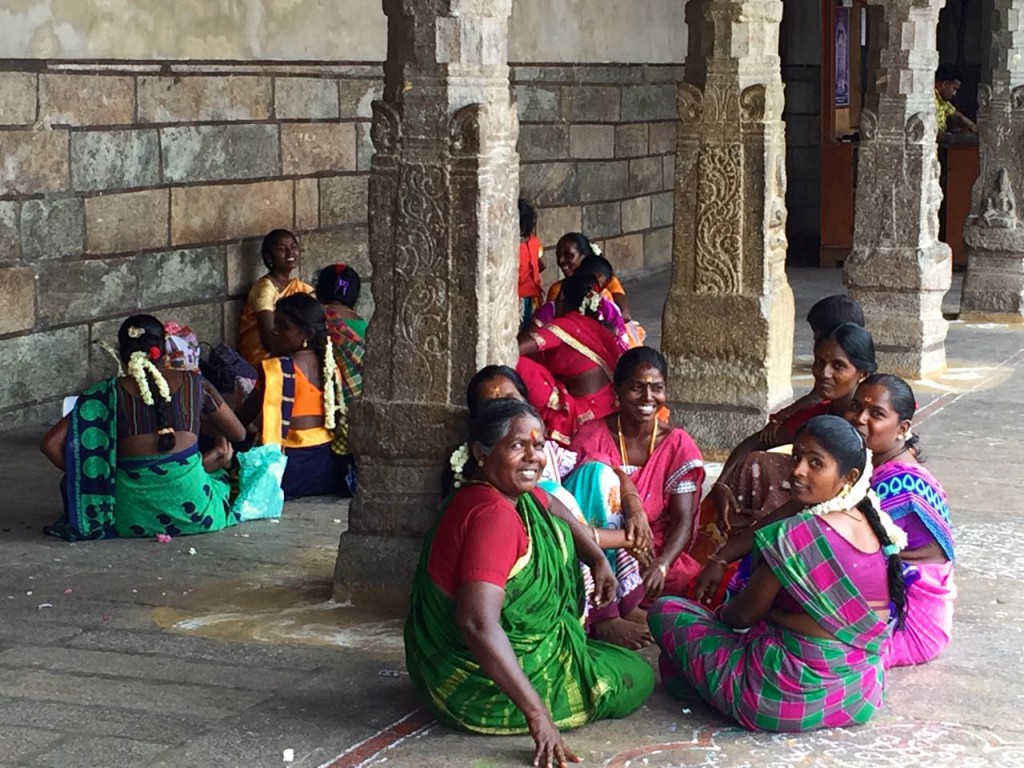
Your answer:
<point x="622" y="442"/>
<point x="852" y="517"/>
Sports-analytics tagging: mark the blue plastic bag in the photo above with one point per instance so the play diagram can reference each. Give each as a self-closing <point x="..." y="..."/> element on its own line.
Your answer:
<point x="259" y="483"/>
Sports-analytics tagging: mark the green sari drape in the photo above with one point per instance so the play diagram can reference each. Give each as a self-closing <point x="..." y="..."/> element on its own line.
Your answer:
<point x="579" y="680"/>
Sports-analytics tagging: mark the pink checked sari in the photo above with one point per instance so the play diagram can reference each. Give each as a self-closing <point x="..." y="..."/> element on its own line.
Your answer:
<point x="676" y="466"/>
<point x="770" y="678"/>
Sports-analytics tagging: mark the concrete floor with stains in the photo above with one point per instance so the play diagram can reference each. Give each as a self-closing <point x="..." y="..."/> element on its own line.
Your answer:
<point x="226" y="650"/>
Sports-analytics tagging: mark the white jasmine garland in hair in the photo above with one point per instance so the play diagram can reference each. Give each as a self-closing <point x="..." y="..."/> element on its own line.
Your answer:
<point x="138" y="365"/>
<point x="591" y="303"/>
<point x="457" y="461"/>
<point x="896" y="535"/>
<point x="334" y="400"/>
<point x="596" y="249"/>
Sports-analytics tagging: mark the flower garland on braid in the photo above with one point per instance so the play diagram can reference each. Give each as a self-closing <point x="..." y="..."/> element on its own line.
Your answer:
<point x="139" y="364"/>
<point x="334" y="402"/>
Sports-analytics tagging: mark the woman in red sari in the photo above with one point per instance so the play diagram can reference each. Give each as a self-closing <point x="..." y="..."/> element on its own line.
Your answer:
<point x="568" y="364"/>
<point x="662" y="461"/>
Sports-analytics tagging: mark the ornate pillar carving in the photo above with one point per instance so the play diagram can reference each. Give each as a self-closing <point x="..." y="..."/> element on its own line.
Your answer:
<point x="728" y="319"/>
<point x="898" y="269"/>
<point x="994" y="232"/>
<point x="443" y="234"/>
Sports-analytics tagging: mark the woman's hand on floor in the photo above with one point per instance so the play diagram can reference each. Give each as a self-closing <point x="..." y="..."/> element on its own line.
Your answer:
<point x="550" y="751"/>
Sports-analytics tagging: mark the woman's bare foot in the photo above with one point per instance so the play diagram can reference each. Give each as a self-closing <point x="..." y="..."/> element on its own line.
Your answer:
<point x="627" y="634"/>
<point x="638" y="616"/>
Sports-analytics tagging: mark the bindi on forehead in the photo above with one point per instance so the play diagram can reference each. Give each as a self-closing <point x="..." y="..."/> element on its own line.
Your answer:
<point x="535" y="435"/>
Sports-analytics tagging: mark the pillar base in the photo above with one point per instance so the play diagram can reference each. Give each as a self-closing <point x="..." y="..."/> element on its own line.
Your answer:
<point x="901" y="291"/>
<point x="716" y="431"/>
<point x="994" y="284"/>
<point x="731" y="361"/>
<point x="376" y="569"/>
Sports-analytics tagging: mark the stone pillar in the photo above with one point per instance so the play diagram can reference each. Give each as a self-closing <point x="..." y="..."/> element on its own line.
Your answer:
<point x="898" y="269"/>
<point x="443" y="238"/>
<point x="994" y="232"/>
<point x="728" y="320"/>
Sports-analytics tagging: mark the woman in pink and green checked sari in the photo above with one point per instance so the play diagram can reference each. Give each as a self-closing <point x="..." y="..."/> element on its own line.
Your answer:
<point x="825" y="587"/>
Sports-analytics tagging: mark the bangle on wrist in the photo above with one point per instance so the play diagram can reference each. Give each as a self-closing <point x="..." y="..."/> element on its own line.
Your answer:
<point x="634" y="494"/>
<point x="715" y="558"/>
<point x="597" y="540"/>
<point x="663" y="568"/>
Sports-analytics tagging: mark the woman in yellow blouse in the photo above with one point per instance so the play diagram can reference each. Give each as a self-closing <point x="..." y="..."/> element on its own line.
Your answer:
<point x="280" y="251"/>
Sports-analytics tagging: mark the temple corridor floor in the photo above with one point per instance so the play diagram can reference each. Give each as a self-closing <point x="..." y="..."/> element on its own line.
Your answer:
<point x="226" y="650"/>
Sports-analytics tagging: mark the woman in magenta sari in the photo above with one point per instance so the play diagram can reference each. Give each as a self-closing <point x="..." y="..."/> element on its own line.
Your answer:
<point x="568" y="364"/>
<point x="662" y="461"/>
<point x="882" y="410"/>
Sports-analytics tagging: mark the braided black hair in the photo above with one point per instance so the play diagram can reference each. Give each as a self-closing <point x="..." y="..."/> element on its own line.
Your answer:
<point x="307" y="314"/>
<point x="846" y="445"/>
<point x="130" y="341"/>
<point x="575" y="289"/>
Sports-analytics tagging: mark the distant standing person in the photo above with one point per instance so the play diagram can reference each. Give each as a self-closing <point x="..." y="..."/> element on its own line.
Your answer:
<point x="947" y="116"/>
<point x="531" y="263"/>
<point x="280" y="252"/>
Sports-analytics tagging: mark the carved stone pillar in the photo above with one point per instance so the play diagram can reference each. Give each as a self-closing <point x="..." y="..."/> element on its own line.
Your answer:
<point x="898" y="269"/>
<point x="728" y="320"/>
<point x="994" y="232"/>
<point x="443" y="238"/>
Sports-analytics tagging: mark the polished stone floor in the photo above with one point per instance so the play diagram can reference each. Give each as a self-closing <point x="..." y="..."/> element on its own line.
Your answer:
<point x="225" y="649"/>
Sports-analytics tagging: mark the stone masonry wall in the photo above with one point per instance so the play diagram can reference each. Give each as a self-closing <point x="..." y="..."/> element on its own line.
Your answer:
<point x="146" y="187"/>
<point x="597" y="151"/>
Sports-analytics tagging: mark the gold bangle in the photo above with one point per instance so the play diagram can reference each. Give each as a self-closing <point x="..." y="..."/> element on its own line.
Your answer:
<point x="597" y="540"/>
<point x="634" y="494"/>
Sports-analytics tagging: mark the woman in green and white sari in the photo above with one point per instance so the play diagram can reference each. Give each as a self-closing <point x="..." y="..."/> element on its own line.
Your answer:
<point x="494" y="640"/>
<point x="130" y="451"/>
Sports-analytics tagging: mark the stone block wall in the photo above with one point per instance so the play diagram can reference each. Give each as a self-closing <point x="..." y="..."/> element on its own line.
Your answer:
<point x="597" y="153"/>
<point x="130" y="187"/>
<point x="146" y="187"/>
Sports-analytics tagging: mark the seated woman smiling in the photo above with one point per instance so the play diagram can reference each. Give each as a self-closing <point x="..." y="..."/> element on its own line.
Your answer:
<point x="817" y="605"/>
<point x="494" y="641"/>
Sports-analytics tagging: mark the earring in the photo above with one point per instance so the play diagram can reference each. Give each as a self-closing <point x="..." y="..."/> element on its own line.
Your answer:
<point x="902" y="437"/>
<point x="846" y="490"/>
<point x="305" y="344"/>
<point x="479" y="462"/>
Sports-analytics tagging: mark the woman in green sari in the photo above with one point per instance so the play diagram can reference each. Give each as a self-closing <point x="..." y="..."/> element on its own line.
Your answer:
<point x="494" y="640"/>
<point x="130" y="452"/>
